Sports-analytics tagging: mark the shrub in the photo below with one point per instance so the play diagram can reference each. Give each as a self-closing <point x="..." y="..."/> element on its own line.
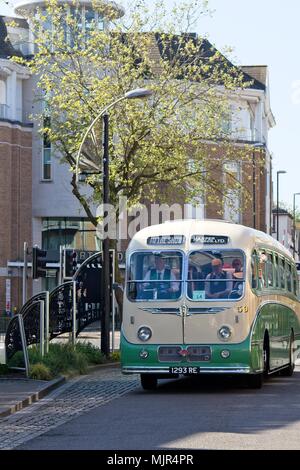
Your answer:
<point x="40" y="371"/>
<point x="115" y="356"/>
<point x="91" y="352"/>
<point x="62" y="358"/>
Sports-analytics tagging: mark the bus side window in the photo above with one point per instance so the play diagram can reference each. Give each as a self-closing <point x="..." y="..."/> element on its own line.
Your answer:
<point x="288" y="276"/>
<point x="276" y="271"/>
<point x="281" y="274"/>
<point x="295" y="281"/>
<point x="269" y="269"/>
<point x="262" y="274"/>
<point x="254" y="270"/>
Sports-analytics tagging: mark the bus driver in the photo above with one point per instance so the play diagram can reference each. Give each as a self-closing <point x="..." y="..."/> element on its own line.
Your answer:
<point x="163" y="275"/>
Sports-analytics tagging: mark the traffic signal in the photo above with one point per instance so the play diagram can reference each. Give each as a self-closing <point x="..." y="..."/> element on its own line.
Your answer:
<point x="74" y="262"/>
<point x="38" y="262"/>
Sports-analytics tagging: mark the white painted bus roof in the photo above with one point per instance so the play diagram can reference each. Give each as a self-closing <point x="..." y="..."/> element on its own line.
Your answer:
<point x="240" y="236"/>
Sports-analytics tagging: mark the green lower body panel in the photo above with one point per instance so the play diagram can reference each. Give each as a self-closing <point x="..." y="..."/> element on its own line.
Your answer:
<point x="238" y="362"/>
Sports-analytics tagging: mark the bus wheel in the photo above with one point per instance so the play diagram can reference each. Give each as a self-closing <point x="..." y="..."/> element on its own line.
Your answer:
<point x="289" y="370"/>
<point x="148" y="381"/>
<point x="255" y="380"/>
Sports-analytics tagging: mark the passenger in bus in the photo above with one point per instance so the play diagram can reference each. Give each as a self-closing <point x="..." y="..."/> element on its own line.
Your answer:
<point x="164" y="289"/>
<point x="218" y="283"/>
<point x="237" y="266"/>
<point x="195" y="280"/>
<point x="238" y="273"/>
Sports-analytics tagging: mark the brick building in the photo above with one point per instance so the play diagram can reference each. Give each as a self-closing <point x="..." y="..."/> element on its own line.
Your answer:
<point x="15" y="174"/>
<point x="36" y="201"/>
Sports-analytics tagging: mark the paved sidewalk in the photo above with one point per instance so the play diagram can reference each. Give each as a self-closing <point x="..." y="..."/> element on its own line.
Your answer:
<point x="16" y="393"/>
<point x="76" y="397"/>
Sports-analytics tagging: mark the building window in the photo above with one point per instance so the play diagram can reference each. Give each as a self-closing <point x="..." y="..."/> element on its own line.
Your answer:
<point x="69" y="232"/>
<point x="232" y="197"/>
<point x="46" y="163"/>
<point x="86" y="20"/>
<point x="47" y="173"/>
<point x="3" y="105"/>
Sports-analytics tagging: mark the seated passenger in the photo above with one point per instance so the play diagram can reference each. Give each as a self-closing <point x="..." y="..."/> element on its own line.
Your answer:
<point x="217" y="287"/>
<point x="163" y="288"/>
<point x="238" y="273"/>
<point x="194" y="281"/>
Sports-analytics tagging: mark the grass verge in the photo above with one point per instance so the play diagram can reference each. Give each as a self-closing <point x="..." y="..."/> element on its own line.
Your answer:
<point x="61" y="359"/>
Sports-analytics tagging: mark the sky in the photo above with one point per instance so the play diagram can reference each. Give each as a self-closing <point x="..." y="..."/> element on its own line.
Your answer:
<point x="263" y="32"/>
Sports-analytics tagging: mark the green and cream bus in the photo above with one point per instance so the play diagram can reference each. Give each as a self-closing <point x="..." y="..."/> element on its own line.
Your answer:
<point x="208" y="297"/>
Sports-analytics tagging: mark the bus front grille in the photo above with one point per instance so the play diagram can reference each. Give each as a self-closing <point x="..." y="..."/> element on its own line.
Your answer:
<point x="178" y="353"/>
<point x="198" y="353"/>
<point x="169" y="353"/>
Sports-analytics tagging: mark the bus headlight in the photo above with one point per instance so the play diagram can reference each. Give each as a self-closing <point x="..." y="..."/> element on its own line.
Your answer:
<point x="224" y="333"/>
<point x="144" y="333"/>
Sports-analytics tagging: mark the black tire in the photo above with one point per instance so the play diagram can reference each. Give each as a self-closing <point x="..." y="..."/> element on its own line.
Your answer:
<point x="148" y="381"/>
<point x="289" y="370"/>
<point x="255" y="380"/>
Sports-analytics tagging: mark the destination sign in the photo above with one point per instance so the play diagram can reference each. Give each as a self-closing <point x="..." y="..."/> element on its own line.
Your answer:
<point x="210" y="239"/>
<point x="166" y="240"/>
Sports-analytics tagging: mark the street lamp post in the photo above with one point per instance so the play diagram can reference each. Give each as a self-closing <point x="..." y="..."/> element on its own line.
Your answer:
<point x="105" y="288"/>
<point x="255" y="146"/>
<point x="280" y="172"/>
<point x="105" y="244"/>
<point x="254" y="188"/>
<point x="294" y="223"/>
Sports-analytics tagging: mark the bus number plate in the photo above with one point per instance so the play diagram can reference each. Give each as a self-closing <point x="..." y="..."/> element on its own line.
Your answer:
<point x="184" y="370"/>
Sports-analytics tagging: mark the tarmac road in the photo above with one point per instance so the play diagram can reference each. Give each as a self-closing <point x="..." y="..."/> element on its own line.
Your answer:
<point x="186" y="413"/>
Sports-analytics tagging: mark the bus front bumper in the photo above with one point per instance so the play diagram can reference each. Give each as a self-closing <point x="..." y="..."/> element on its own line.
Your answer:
<point x="203" y="370"/>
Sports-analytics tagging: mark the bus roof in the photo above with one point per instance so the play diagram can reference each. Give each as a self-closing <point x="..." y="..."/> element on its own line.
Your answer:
<point x="228" y="234"/>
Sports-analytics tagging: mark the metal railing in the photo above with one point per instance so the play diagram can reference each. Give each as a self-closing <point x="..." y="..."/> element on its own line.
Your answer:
<point x="247" y="135"/>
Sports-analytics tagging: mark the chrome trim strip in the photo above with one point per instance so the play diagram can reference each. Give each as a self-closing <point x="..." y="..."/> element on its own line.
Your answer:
<point x="195" y="310"/>
<point x="272" y="338"/>
<point x="191" y="310"/>
<point x="162" y="310"/>
<point x="203" y="370"/>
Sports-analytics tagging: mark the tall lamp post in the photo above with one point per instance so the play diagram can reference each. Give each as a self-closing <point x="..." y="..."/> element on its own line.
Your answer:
<point x="294" y="223"/>
<point x="255" y="146"/>
<point x="280" y="172"/>
<point x="105" y="288"/>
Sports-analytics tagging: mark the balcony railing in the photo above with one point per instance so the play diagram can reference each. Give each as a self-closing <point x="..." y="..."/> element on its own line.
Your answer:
<point x="247" y="135"/>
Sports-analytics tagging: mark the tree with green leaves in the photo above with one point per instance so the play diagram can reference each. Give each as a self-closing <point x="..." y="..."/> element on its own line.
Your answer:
<point x="169" y="148"/>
